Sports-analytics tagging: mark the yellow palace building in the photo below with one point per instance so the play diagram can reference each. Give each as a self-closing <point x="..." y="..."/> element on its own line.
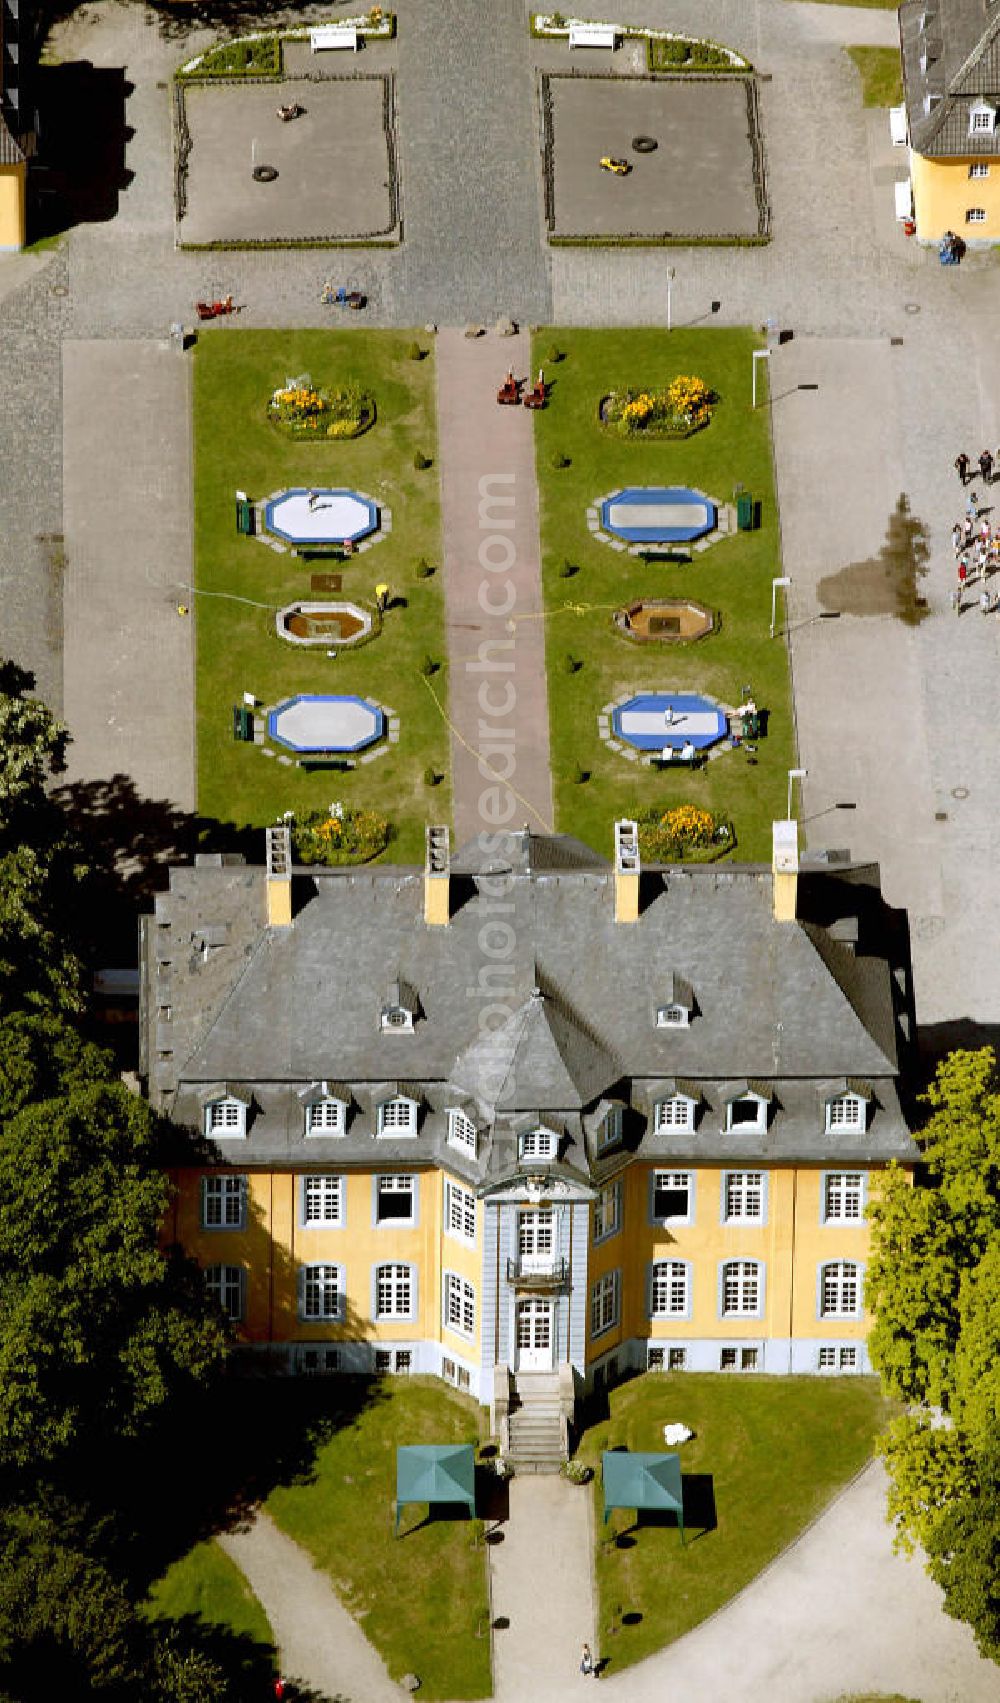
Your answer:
<point x="951" y="82"/>
<point x="16" y="119"/>
<point x="527" y="1119"/>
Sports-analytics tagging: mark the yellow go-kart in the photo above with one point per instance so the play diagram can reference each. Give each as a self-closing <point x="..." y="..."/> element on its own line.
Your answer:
<point x="621" y="168"/>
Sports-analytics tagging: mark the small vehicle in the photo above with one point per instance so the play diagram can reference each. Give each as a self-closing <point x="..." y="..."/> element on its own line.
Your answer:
<point x="535" y="397"/>
<point x="337" y="295"/>
<point x="287" y="113"/>
<point x="214" y="310"/>
<point x="620" y="168"/>
<point x="509" y="394"/>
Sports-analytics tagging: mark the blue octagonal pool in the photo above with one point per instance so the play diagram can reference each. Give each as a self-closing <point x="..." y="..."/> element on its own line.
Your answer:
<point x="658" y="514"/>
<point x="302" y="516"/>
<point x="652" y="720"/>
<point x="316" y="722"/>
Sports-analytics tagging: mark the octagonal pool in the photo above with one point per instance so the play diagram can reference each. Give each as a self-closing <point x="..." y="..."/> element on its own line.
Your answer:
<point x="317" y="722"/>
<point x="652" y="720"/>
<point x="303" y="516"/>
<point x="658" y="514"/>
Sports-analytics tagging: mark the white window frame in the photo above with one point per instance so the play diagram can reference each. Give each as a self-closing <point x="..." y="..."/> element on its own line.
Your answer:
<point x="741" y="1289"/>
<point x="229" y="1193"/>
<point x="979" y="168"/>
<point x="321" y="1292"/>
<point x="226" y="1286"/>
<point x="846" y="1114"/>
<point x="671" y="1180"/>
<point x="740" y="1183"/>
<point x="462" y="1131"/>
<point x="459" y="1305"/>
<point x="982" y="119"/>
<point x="326" y="1116"/>
<point x="842" y="1189"/>
<point x="609" y="1130"/>
<point x="745" y="1127"/>
<point x="836" y="1358"/>
<point x="840" y="1289"/>
<point x="672" y="1016"/>
<point x="744" y="1357"/>
<point x="399" y="1283"/>
<point x="226" y="1118"/>
<point x="396" y="1183"/>
<point x="391" y="1130"/>
<point x="975" y="215"/>
<point x="676" y="1111"/>
<point x="608" y="1212"/>
<point x="459" y="1212"/>
<point x="325" y="1189"/>
<point x="540" y="1143"/>
<point x="670" y="1289"/>
<point x="389" y="1020"/>
<point x="606" y="1304"/>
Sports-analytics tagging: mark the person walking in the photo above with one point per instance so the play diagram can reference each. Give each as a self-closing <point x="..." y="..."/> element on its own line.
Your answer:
<point x="986" y="467"/>
<point x="984" y="602"/>
<point x="956" y="536"/>
<point x="972" y="507"/>
<point x="956" y="599"/>
<point x="967" y="531"/>
<point x="963" y="571"/>
<point x="962" y="466"/>
<point x="586" y="1662"/>
<point x="981" y="553"/>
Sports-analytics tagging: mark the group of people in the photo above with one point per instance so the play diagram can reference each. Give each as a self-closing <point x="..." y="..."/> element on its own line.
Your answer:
<point x="977" y="548"/>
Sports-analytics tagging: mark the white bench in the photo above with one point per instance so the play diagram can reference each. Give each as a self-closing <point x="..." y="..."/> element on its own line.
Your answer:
<point x="333" y="35"/>
<point x="593" y="35"/>
<point x="904" y="199"/>
<point x="897" y="126"/>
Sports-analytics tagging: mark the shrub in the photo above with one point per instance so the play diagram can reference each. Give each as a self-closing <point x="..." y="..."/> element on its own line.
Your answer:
<point x="555" y="355"/>
<point x="423" y="569"/>
<point x="568" y="569"/>
<point x="559" y="459"/>
<point x="339" y="835"/>
<point x="683" y="831"/>
<point x="259" y="58"/>
<point x="580" y="775"/>
<point x="414" y="352"/>
<point x="577" y="1472"/>
<point x="570" y="665"/>
<point x="428" y="667"/>
<point x="431" y="776"/>
<point x="421" y="461"/>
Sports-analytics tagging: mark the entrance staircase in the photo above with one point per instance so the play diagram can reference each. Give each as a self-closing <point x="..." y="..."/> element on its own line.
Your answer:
<point x="537" y="1427"/>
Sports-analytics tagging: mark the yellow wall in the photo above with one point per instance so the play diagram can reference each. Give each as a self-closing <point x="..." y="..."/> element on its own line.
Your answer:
<point x="942" y="192"/>
<point x="12" y="206"/>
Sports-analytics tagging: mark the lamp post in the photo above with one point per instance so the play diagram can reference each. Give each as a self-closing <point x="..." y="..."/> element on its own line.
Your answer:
<point x="793" y="775"/>
<point x="671" y="275"/>
<point x="783" y="580"/>
<point x="758" y="355"/>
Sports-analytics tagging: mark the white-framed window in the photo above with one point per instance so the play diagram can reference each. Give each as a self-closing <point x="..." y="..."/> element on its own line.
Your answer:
<point x="677" y="1359"/>
<point x="225" y="1286"/>
<point x="747" y="1113"/>
<point x="844" y="1197"/>
<point x="846" y="1112"/>
<point x="676" y="1112"/>
<point x="672" y="1017"/>
<point x="661" y="1359"/>
<point x="982" y="119"/>
<point x="979" y="169"/>
<point x="742" y="1288"/>
<point x="396" y="1018"/>
<point x="395" y="1199"/>
<point x="608" y="1211"/>
<point x="326" y="1117"/>
<point x="975" y="215"/>
<point x="316" y="1361"/>
<point x="672" y="1197"/>
<point x="397" y="1117"/>
<point x="609" y="1130"/>
<point x="223" y="1203"/>
<point x="321" y="1292"/>
<point x="838" y="1357"/>
<point x="462" y="1131"/>
<point x="398" y="1361"/>
<point x="226" y="1117"/>
<point x="605" y="1303"/>
<point x="738" y="1360"/>
<point x="670" y="1289"/>
<point x="536" y="1237"/>
<point x="323" y="1200"/>
<point x="459" y="1304"/>
<point x="459" y="1212"/>
<point x="540" y="1143"/>
<point x="743" y="1197"/>
<point x="393" y="1291"/>
<point x="840" y="1290"/>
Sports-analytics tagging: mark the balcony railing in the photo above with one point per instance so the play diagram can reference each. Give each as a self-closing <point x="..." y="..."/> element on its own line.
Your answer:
<point x="535" y="1273"/>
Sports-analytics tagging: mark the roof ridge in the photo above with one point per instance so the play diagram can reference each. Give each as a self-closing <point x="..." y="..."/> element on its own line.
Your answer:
<point x="234" y="988"/>
<point x="974" y="56"/>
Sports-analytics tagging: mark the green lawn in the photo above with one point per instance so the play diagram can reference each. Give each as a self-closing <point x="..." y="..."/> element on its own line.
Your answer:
<point x="421" y="1598"/>
<point x="236" y="447"/>
<point x="767" y="1455"/>
<point x="733" y="577"/>
<point x="881" y="73"/>
<point x="206" y="1585"/>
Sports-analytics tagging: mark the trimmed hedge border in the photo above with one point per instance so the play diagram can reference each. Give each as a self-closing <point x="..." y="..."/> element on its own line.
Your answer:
<point x="638" y="32"/>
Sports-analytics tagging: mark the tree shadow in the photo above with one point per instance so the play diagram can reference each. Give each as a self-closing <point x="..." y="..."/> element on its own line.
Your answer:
<point x="79" y="171"/>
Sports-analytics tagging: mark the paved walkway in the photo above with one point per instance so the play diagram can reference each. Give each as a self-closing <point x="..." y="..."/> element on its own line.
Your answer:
<point x="489" y="513"/>
<point x="128" y="692"/>
<point x="541" y="1582"/>
<point x="319" y="1644"/>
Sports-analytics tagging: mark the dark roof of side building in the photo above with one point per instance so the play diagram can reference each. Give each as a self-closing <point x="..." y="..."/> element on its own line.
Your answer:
<point x="951" y="60"/>
<point x="11" y="154"/>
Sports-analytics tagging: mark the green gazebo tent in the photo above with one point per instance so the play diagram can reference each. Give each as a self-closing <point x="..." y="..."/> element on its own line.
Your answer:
<point x="435" y="1472"/>
<point x="642" y="1481"/>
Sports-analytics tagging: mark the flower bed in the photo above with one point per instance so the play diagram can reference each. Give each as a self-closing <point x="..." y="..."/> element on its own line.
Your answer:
<point x="684" y="833"/>
<point x="665" y="53"/>
<point x="302" y="411"/>
<point x="707" y="56"/>
<point x="684" y="407"/>
<point x="250" y="56"/>
<point x="339" y="835"/>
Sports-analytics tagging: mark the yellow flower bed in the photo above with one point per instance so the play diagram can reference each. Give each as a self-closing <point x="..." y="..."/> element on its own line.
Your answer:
<point x="684" y="406"/>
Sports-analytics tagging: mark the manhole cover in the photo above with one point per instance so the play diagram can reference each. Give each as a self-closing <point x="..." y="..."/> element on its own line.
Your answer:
<point x="59" y="290"/>
<point x="940" y="815"/>
<point x="264" y="174"/>
<point x="911" y="307"/>
<point x="959" y="792"/>
<point x="644" y="144"/>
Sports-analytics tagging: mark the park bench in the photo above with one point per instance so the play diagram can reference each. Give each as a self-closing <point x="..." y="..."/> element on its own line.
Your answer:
<point x="326" y="36"/>
<point x="593" y="35"/>
<point x="242" y="724"/>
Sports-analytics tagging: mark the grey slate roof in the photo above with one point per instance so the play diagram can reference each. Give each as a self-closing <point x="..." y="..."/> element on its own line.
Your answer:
<point x="573" y="999"/>
<point x="951" y="59"/>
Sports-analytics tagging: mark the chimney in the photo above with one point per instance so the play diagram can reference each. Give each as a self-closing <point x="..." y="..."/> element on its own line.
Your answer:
<point x="785" y="869"/>
<point x="626" y="871"/>
<point x="437" y="877"/>
<point x="279" y="877"/>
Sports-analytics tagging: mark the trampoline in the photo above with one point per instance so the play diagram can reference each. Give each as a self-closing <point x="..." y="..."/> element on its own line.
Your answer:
<point x="313" y="723"/>
<point x="656" y="719"/>
<point x="304" y="516"/>
<point x="652" y="514"/>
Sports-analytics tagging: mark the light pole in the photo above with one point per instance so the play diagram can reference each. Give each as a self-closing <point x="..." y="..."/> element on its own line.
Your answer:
<point x="793" y="775"/>
<point x="783" y="580"/>
<point x="671" y="275"/>
<point x="758" y="355"/>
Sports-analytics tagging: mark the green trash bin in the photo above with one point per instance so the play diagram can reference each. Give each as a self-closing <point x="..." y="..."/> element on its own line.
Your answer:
<point x="744" y="512"/>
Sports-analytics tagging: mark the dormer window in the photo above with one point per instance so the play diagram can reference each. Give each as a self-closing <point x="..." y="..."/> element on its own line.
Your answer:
<point x="672" y="1017"/>
<point x="397" y="1117"/>
<point x="226" y="1118"/>
<point x="746" y="1114"/>
<point x="982" y="119"/>
<point x="846" y="1112"/>
<point x="609" y="1130"/>
<point x="540" y="1143"/>
<point x="462" y="1131"/>
<point x="676" y="1003"/>
<point x="399" y="1008"/>
<point x="327" y="1116"/>
<point x="675" y="1112"/>
<point x="398" y="1018"/>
